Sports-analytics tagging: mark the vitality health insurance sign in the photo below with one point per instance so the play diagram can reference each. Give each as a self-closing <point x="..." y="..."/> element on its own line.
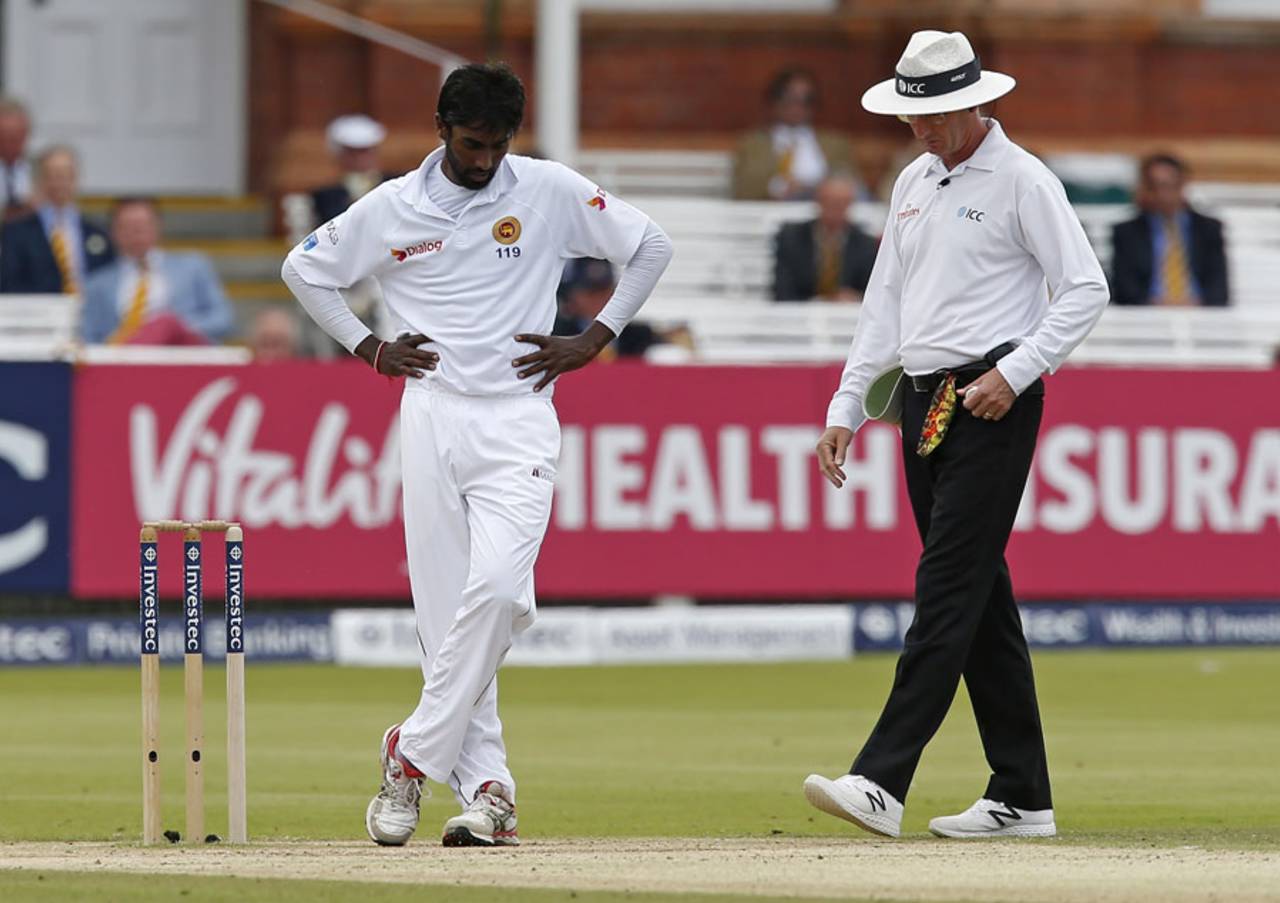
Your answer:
<point x="686" y="480"/>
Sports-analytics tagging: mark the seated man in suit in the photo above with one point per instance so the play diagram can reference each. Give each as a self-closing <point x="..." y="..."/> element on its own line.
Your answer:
<point x="1170" y="254"/>
<point x="149" y="296"/>
<point x="828" y="257"/>
<point x="787" y="159"/>
<point x="354" y="142"/>
<point x="52" y="250"/>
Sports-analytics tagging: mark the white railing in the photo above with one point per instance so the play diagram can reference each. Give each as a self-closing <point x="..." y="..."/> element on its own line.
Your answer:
<point x="374" y="32"/>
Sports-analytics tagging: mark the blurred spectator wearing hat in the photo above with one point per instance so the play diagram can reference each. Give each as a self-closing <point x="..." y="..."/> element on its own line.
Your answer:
<point x="149" y="296"/>
<point x="1169" y="254"/>
<point x="828" y="257"/>
<point x="15" y="170"/>
<point x="354" y="141"/>
<point x="587" y="286"/>
<point x="52" y="250"/>
<point x="787" y="159"/>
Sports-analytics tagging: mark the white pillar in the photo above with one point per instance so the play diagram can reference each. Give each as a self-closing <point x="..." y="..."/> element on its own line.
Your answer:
<point x="556" y="71"/>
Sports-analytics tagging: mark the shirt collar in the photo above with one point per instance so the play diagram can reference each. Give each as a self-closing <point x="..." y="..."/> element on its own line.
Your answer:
<point x="52" y="216"/>
<point x="1182" y="217"/>
<point x="414" y="191"/>
<point x="987" y="157"/>
<point x="154" y="259"/>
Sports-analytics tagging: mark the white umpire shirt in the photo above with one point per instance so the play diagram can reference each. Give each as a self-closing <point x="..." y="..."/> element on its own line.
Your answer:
<point x="988" y="253"/>
<point x="475" y="279"/>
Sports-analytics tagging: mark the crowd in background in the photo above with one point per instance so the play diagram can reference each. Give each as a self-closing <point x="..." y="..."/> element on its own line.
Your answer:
<point x="134" y="290"/>
<point x="1169" y="254"/>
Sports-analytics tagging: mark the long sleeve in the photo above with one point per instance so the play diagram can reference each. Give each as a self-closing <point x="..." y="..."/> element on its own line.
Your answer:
<point x="1077" y="288"/>
<point x="327" y="307"/>
<point x="346" y="251"/>
<point x="643" y="270"/>
<point x="877" y="340"/>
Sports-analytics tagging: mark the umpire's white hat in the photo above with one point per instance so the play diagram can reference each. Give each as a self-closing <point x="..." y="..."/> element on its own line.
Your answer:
<point x="937" y="73"/>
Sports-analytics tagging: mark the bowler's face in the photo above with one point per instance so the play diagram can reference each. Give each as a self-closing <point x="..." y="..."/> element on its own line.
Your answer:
<point x="473" y="154"/>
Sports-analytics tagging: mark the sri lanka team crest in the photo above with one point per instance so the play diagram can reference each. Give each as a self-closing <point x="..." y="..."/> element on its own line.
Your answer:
<point x="506" y="231"/>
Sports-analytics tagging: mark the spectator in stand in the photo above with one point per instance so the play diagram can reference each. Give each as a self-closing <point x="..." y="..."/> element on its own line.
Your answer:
<point x="587" y="287"/>
<point x="353" y="141"/>
<point x="1169" y="254"/>
<point x="786" y="160"/>
<point x="15" y="171"/>
<point x="52" y="250"/>
<point x="274" y="336"/>
<point x="149" y="296"/>
<point x="828" y="257"/>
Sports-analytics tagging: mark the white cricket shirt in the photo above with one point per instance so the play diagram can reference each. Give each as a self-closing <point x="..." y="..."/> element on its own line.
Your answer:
<point x="475" y="280"/>
<point x="995" y="255"/>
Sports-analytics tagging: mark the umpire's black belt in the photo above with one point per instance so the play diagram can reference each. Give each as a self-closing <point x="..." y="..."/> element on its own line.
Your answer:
<point x="965" y="373"/>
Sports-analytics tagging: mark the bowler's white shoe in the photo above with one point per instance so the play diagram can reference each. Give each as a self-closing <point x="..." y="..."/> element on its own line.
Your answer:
<point x="856" y="799"/>
<point x="490" y="820"/>
<point x="392" y="815"/>
<point x="987" y="818"/>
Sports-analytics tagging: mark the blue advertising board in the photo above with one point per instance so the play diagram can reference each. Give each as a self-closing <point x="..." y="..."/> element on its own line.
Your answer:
<point x="35" y="477"/>
<point x="881" y="627"/>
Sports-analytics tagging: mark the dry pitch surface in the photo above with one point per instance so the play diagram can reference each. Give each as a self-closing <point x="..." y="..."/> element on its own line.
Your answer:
<point x="1028" y="872"/>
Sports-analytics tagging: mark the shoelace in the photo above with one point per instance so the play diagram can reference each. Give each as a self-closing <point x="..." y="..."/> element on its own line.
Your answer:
<point x="495" y="808"/>
<point x="399" y="789"/>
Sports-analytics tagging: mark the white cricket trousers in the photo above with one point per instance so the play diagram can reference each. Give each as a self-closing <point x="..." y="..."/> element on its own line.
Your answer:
<point x="478" y="478"/>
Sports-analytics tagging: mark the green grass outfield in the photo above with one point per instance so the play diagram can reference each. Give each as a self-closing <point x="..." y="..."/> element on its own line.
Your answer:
<point x="1162" y="748"/>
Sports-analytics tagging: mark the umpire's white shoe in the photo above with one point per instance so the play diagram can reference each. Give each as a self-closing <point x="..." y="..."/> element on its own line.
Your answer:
<point x="987" y="818"/>
<point x="392" y="815"/>
<point x="856" y="799"/>
<point x="490" y="820"/>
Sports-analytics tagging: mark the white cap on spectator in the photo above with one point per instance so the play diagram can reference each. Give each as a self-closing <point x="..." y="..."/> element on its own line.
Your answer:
<point x="356" y="131"/>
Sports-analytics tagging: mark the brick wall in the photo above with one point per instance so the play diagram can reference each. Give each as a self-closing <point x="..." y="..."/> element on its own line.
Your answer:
<point x="1116" y="80"/>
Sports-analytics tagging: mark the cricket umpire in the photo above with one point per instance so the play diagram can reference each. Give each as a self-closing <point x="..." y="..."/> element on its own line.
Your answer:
<point x="983" y="283"/>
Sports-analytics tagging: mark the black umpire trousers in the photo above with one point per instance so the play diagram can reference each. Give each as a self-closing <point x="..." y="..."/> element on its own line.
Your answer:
<point x="965" y="497"/>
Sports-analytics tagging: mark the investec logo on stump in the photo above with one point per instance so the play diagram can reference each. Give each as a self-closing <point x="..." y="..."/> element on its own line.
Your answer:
<point x="191" y="596"/>
<point x="150" y="607"/>
<point x="235" y="598"/>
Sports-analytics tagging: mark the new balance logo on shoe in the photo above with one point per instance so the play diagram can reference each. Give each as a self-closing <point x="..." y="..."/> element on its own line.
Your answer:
<point x="999" y="815"/>
<point x="876" y="799"/>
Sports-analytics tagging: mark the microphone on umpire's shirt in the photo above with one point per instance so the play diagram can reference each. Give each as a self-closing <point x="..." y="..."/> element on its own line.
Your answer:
<point x="945" y="182"/>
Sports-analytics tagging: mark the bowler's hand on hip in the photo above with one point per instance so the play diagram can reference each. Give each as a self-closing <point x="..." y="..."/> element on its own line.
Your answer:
<point x="988" y="397"/>
<point x="831" y="451"/>
<point x="560" y="354"/>
<point x="402" y="357"/>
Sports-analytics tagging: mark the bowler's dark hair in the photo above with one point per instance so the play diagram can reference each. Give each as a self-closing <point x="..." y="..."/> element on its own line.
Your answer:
<point x="487" y="96"/>
<point x="1162" y="160"/>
